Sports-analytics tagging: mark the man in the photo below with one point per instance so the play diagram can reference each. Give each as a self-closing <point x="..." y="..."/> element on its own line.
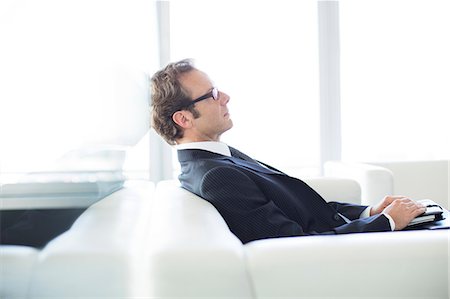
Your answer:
<point x="256" y="200"/>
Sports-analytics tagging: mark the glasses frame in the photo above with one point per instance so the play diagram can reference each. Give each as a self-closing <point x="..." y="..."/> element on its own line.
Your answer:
<point x="213" y="93"/>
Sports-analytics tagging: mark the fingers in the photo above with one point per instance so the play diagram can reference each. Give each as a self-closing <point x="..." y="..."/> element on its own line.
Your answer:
<point x="402" y="199"/>
<point x="391" y="198"/>
<point x="384" y="203"/>
<point x="403" y="210"/>
<point x="410" y="205"/>
<point x="418" y="209"/>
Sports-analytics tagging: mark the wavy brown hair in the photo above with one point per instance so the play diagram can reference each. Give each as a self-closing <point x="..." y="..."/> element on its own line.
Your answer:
<point x="168" y="97"/>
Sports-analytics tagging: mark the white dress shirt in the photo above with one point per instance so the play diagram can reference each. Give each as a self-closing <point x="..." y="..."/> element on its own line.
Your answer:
<point x="210" y="146"/>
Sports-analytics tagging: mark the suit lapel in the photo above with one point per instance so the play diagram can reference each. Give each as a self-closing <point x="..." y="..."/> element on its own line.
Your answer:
<point x="239" y="159"/>
<point x="240" y="155"/>
<point x="254" y="166"/>
<point x="243" y="156"/>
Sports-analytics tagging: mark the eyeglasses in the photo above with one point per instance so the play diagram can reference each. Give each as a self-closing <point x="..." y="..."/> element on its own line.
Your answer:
<point x="214" y="93"/>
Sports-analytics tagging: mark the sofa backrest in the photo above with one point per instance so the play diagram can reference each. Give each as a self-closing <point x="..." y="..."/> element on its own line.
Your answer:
<point x="336" y="189"/>
<point x="100" y="256"/>
<point x="193" y="253"/>
<point x="421" y="179"/>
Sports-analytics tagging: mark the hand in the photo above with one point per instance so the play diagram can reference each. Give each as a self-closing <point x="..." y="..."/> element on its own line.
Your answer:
<point x="386" y="201"/>
<point x="403" y="210"/>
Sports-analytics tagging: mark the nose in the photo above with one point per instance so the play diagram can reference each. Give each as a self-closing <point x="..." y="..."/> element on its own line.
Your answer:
<point x="223" y="98"/>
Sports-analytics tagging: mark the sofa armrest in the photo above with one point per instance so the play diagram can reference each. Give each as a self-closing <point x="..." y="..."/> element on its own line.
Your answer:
<point x="336" y="189"/>
<point x="412" y="264"/>
<point x="100" y="256"/>
<point x="376" y="182"/>
<point x="16" y="269"/>
<point x="421" y="179"/>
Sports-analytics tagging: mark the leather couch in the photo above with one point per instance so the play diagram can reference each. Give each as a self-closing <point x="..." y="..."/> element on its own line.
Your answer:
<point x="194" y="255"/>
<point x="416" y="179"/>
<point x="100" y="256"/>
<point x="166" y="242"/>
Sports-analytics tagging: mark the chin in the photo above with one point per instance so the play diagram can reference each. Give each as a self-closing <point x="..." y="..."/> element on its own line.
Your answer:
<point x="230" y="124"/>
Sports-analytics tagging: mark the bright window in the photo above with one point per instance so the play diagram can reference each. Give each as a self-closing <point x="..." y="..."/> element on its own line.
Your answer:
<point x="264" y="55"/>
<point x="73" y="75"/>
<point x="395" y="79"/>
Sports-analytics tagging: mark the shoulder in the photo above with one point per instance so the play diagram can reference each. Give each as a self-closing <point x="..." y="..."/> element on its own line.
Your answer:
<point x="210" y="167"/>
<point x="223" y="172"/>
<point x="210" y="173"/>
<point x="227" y="180"/>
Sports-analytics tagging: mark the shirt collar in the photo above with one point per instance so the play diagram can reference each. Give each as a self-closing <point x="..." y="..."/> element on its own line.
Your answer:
<point x="211" y="146"/>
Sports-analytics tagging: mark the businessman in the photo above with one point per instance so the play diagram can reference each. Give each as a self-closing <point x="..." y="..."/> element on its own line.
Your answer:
<point x="256" y="200"/>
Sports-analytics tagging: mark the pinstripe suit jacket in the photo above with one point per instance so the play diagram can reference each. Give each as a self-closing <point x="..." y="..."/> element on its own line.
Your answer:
<point x="260" y="202"/>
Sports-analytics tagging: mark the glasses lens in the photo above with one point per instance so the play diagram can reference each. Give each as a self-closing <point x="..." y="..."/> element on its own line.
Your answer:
<point x="215" y="94"/>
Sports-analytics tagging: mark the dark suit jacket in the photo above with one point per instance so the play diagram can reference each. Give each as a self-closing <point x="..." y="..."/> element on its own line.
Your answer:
<point x="260" y="202"/>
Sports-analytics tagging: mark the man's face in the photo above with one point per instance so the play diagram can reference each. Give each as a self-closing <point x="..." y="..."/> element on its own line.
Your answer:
<point x="214" y="117"/>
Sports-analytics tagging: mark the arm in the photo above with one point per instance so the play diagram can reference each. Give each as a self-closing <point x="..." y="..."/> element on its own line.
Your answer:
<point x="251" y="216"/>
<point x="399" y="210"/>
<point x="351" y="211"/>
<point x="372" y="223"/>
<point x="248" y="213"/>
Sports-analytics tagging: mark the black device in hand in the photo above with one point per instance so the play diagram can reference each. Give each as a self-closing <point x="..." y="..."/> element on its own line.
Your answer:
<point x="433" y="213"/>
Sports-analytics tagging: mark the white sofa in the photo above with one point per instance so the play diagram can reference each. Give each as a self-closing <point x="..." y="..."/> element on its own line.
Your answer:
<point x="416" y="179"/>
<point x="100" y="256"/>
<point x="169" y="243"/>
<point x="194" y="255"/>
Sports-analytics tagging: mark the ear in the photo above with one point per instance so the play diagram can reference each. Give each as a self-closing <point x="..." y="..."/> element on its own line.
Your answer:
<point x="182" y="118"/>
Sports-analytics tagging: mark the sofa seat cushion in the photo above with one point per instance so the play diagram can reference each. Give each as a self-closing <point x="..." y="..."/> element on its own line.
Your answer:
<point x="16" y="269"/>
<point x="410" y="264"/>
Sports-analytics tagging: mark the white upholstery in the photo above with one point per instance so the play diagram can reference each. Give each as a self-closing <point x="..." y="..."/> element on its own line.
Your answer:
<point x="371" y="265"/>
<point x="376" y="182"/>
<point x="169" y="243"/>
<point x="421" y="179"/>
<point x="336" y="189"/>
<point x="193" y="253"/>
<point x="101" y="255"/>
<point x="16" y="268"/>
<point x="416" y="179"/>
